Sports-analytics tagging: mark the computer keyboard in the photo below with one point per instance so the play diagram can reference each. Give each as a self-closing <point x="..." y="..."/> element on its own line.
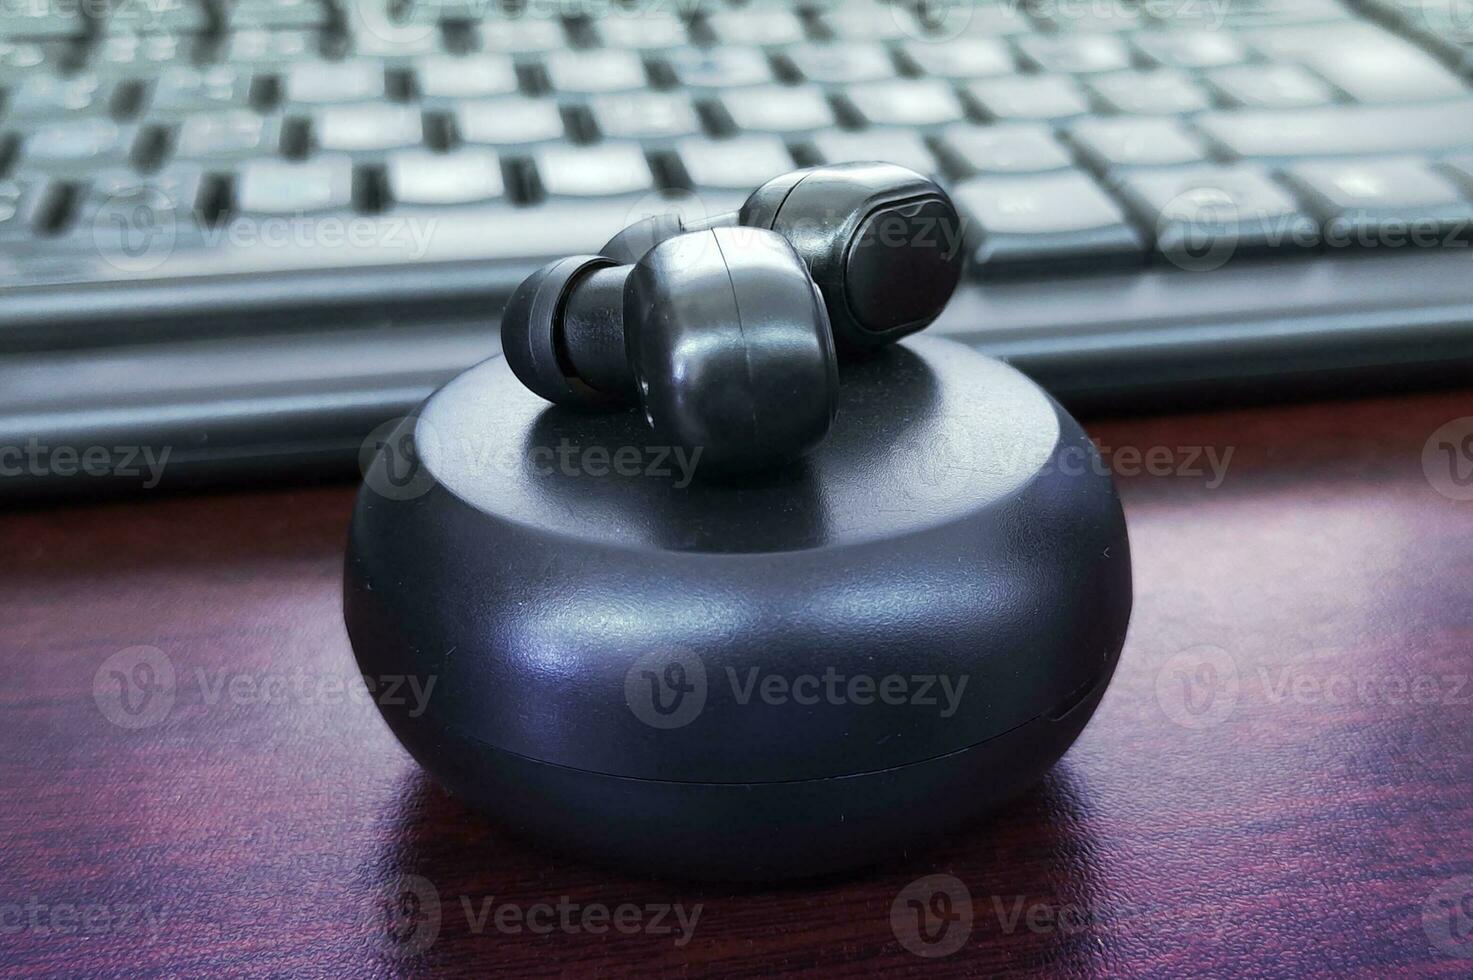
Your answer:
<point x="257" y="227"/>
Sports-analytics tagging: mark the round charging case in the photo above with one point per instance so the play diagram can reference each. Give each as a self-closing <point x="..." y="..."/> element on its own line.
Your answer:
<point x="781" y="675"/>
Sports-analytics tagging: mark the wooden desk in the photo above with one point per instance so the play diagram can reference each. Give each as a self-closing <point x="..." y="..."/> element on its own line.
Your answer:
<point x="1254" y="795"/>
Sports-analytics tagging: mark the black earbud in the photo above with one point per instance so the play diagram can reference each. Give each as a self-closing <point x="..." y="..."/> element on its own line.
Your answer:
<point x="725" y="333"/>
<point x="883" y="243"/>
<point x="720" y="335"/>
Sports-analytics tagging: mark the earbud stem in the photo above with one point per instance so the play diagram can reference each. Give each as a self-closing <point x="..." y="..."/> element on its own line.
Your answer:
<point x="727" y="219"/>
<point x="634" y="242"/>
<point x="591" y="334"/>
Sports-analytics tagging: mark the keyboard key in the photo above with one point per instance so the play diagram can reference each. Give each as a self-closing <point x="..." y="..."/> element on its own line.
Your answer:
<point x="1461" y="169"/>
<point x="77" y="146"/>
<point x="1295" y="44"/>
<point x="39" y="21"/>
<point x="275" y="14"/>
<point x="1203" y="216"/>
<point x="135" y="222"/>
<point x="1342" y="130"/>
<point x="1257" y="13"/>
<point x="139" y="55"/>
<point x="21" y="56"/>
<point x="324" y="82"/>
<point x="184" y="89"/>
<point x="410" y="14"/>
<point x="777" y="109"/>
<point x="142" y="19"/>
<point x="275" y="187"/>
<point x="416" y="14"/>
<point x="1149" y="93"/>
<point x="466" y="176"/>
<point x="644" y="115"/>
<point x="1087" y="18"/>
<point x="944" y="19"/>
<point x="755" y="25"/>
<point x="269" y="48"/>
<point x="906" y="102"/>
<point x="367" y="128"/>
<point x="1271" y="86"/>
<point x="465" y="77"/>
<point x="521" y="35"/>
<point x="1389" y="72"/>
<point x="719" y="68"/>
<point x="1075" y="54"/>
<point x="900" y="146"/>
<point x="236" y="134"/>
<point x="961" y="57"/>
<point x="604" y="170"/>
<point x="1110" y="143"/>
<point x="44" y="96"/>
<point x="508" y="122"/>
<point x="1444" y="26"/>
<point x="638" y="30"/>
<point x="839" y="64"/>
<point x="1364" y="60"/>
<point x="741" y="163"/>
<point x="1382" y="202"/>
<point x="386" y="41"/>
<point x="1013" y="148"/>
<point x="857" y="20"/>
<point x="1190" y="49"/>
<point x="1045" y="221"/>
<point x="595" y="71"/>
<point x="1028" y="97"/>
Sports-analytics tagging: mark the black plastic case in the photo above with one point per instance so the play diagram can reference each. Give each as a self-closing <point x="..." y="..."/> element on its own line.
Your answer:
<point x="633" y="663"/>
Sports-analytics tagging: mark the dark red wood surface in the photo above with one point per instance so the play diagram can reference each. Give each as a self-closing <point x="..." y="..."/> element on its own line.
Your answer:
<point x="1253" y="797"/>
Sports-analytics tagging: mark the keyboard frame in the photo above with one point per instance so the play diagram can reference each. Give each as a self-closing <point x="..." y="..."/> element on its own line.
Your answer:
<point x="253" y="364"/>
<point x="262" y="377"/>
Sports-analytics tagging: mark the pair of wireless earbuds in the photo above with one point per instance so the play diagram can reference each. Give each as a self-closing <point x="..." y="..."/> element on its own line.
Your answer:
<point x="726" y="332"/>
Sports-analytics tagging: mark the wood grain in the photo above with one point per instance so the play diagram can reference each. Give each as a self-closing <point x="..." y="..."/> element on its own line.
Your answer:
<point x="1253" y="797"/>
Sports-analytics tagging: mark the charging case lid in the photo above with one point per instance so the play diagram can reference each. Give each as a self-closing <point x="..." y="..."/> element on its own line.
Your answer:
<point x="949" y="564"/>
